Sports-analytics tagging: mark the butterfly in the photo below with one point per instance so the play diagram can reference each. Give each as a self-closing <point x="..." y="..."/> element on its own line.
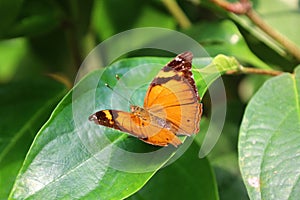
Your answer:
<point x="171" y="107"/>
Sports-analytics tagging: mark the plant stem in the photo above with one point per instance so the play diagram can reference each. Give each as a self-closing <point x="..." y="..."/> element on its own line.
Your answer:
<point x="248" y="70"/>
<point x="74" y="48"/>
<point x="245" y="7"/>
<point x="285" y="42"/>
<point x="177" y="12"/>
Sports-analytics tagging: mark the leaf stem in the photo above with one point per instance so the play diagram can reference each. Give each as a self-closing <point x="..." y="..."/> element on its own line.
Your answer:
<point x="248" y="70"/>
<point x="177" y="12"/>
<point x="245" y="7"/>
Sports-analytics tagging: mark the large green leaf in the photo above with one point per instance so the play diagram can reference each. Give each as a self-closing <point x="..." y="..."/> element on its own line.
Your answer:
<point x="25" y="106"/>
<point x="269" y="143"/>
<point x="78" y="159"/>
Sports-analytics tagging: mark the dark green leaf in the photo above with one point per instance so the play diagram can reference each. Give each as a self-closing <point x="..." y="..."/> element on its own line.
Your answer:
<point x="188" y="178"/>
<point x="223" y="156"/>
<point x="269" y="143"/>
<point x="230" y="183"/>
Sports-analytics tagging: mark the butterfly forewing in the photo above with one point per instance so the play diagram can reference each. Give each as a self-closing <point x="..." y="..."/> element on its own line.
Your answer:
<point x="173" y="95"/>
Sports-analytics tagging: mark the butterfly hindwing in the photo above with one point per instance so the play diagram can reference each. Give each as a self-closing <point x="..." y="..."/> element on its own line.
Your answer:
<point x="140" y="128"/>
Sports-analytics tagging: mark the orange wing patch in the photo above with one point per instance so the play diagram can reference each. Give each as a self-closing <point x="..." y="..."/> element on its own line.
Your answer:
<point x="163" y="138"/>
<point x="171" y="107"/>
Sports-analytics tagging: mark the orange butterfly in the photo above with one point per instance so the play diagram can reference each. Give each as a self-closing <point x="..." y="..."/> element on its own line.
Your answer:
<point x="171" y="107"/>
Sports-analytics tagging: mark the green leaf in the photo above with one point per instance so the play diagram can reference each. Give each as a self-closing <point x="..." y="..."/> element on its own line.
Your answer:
<point x="218" y="66"/>
<point x="225" y="63"/>
<point x="25" y="106"/>
<point x="188" y="178"/>
<point x="73" y="156"/>
<point x="269" y="143"/>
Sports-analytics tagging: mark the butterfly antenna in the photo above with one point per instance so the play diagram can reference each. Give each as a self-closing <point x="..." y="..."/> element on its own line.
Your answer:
<point x="124" y="86"/>
<point x="120" y="95"/>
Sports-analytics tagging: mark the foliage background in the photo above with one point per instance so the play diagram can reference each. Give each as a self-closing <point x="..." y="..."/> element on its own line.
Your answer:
<point x="44" y="42"/>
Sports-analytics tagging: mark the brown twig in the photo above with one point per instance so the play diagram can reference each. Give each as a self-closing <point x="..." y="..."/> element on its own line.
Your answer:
<point x="245" y="7"/>
<point x="285" y="42"/>
<point x="241" y="7"/>
<point x="177" y="12"/>
<point x="248" y="70"/>
<point x="62" y="79"/>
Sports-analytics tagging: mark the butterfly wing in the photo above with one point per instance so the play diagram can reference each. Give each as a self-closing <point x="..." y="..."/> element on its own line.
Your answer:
<point x="173" y="96"/>
<point x="135" y="126"/>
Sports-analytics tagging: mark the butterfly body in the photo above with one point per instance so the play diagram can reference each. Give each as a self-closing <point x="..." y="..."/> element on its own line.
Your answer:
<point x="170" y="108"/>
